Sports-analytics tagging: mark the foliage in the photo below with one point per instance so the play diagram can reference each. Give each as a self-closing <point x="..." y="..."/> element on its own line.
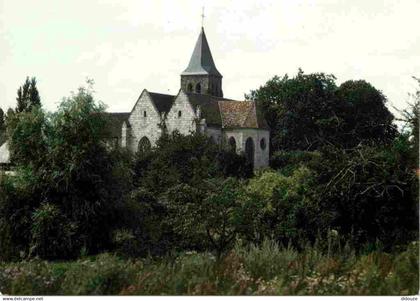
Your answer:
<point x="285" y="207"/>
<point x="27" y="132"/>
<point x="28" y="96"/>
<point x="180" y="171"/>
<point x="176" y="159"/>
<point x="410" y="119"/>
<point x="64" y="168"/>
<point x="288" y="161"/>
<point x="269" y="269"/>
<point x="146" y="230"/>
<point x="233" y="165"/>
<point x="186" y="159"/>
<point x="52" y="232"/>
<point x="371" y="192"/>
<point x="365" y="117"/>
<point x="211" y="211"/>
<point x="106" y="275"/>
<point x="308" y="111"/>
<point x="298" y="110"/>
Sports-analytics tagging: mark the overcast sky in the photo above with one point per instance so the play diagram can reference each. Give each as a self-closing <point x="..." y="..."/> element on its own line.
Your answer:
<point x="129" y="45"/>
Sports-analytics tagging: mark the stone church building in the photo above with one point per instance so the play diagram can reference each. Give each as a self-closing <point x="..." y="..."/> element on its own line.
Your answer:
<point x="198" y="106"/>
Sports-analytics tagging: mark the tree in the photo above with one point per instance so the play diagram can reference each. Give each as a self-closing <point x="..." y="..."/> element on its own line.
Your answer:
<point x="212" y="212"/>
<point x="299" y="110"/>
<point x="410" y="119"/>
<point x="28" y="96"/>
<point x="187" y="159"/>
<point x="365" y="117"/>
<point x="308" y="111"/>
<point x="65" y="172"/>
<point x="285" y="208"/>
<point x="371" y="192"/>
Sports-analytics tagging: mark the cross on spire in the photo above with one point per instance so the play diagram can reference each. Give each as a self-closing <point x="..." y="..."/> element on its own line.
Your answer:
<point x="202" y="17"/>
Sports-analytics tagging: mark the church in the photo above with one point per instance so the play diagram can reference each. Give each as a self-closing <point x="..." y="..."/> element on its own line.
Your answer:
<point x="199" y="106"/>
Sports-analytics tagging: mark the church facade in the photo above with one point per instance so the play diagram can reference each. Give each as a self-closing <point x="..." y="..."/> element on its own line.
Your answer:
<point x="199" y="106"/>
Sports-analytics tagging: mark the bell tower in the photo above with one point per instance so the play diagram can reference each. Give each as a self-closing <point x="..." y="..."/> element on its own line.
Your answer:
<point x="201" y="75"/>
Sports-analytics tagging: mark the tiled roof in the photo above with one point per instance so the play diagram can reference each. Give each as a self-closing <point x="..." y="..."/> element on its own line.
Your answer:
<point x="227" y="113"/>
<point x="4" y="153"/>
<point x="238" y="114"/>
<point x="162" y="102"/>
<point x="218" y="112"/>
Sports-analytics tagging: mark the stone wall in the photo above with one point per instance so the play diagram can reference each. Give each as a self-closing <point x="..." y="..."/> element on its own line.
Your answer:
<point x="261" y="156"/>
<point x="181" y="117"/>
<point x="210" y="84"/>
<point x="215" y="133"/>
<point x="143" y="125"/>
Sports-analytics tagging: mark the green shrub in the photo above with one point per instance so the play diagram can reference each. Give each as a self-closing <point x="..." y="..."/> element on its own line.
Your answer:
<point x="32" y="277"/>
<point x="288" y="161"/>
<point x="63" y="162"/>
<point x="286" y="210"/>
<point x="213" y="211"/>
<point x="267" y="260"/>
<point x="52" y="233"/>
<point x="269" y="269"/>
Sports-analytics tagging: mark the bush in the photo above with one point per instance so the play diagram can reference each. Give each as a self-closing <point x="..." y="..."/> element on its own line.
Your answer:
<point x="371" y="194"/>
<point x="288" y="161"/>
<point x="266" y="260"/>
<point x="212" y="212"/>
<point x="286" y="210"/>
<point x="52" y="233"/>
<point x="62" y="162"/>
<point x="106" y="275"/>
<point x="146" y="229"/>
<point x="269" y="269"/>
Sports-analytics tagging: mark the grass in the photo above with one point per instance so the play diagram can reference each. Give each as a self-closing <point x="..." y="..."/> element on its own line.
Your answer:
<point x="253" y="270"/>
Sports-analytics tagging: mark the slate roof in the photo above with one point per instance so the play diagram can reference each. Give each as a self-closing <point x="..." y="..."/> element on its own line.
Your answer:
<point x="209" y="107"/>
<point x="115" y="122"/>
<point x="4" y="153"/>
<point x="218" y="112"/>
<point x="201" y="61"/>
<point x="162" y="102"/>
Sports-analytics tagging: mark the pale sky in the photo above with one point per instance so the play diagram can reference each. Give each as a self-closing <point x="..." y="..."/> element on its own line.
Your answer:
<point x="129" y="45"/>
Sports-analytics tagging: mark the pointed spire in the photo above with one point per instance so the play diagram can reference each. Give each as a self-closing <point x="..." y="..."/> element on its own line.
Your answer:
<point x="201" y="61"/>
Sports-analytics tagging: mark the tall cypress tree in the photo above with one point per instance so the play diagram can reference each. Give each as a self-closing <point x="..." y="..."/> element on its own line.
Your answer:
<point x="28" y="96"/>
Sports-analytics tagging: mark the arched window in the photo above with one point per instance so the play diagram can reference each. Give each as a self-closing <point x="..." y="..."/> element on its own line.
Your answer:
<point x="144" y="114"/>
<point x="232" y="144"/>
<point x="249" y="150"/>
<point x="144" y="144"/>
<point x="198" y="88"/>
<point x="263" y="145"/>
<point x="190" y="87"/>
<point x="179" y="114"/>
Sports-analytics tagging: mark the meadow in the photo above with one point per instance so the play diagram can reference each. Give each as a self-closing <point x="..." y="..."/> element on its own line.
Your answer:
<point x="269" y="269"/>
